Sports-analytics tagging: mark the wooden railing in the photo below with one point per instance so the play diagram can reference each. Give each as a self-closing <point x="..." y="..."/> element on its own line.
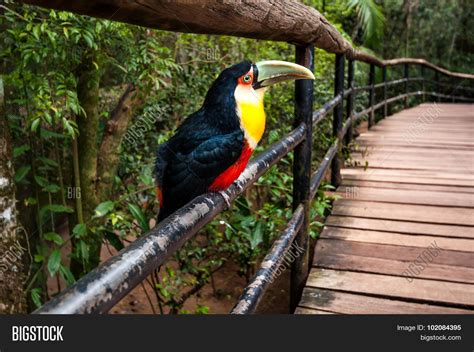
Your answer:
<point x="103" y="287"/>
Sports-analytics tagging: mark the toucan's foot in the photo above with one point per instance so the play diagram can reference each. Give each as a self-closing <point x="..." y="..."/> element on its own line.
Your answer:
<point x="226" y="199"/>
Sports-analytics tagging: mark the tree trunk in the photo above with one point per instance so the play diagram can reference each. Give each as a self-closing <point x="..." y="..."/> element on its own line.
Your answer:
<point x="88" y="94"/>
<point x="116" y="127"/>
<point x="98" y="162"/>
<point x="12" y="238"/>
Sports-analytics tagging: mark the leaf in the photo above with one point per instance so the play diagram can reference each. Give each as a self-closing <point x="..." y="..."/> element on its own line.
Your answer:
<point x="36" y="297"/>
<point x="35" y="124"/>
<point x="54" y="261"/>
<point x="370" y="17"/>
<point x="139" y="216"/>
<point x="21" y="173"/>
<point x="40" y="180"/>
<point x="83" y="250"/>
<point x="103" y="208"/>
<point x="48" y="161"/>
<point x="58" y="208"/>
<point x="68" y="126"/>
<point x="20" y="150"/>
<point x="52" y="188"/>
<point x="257" y="236"/>
<point x="48" y="117"/>
<point x="53" y="237"/>
<point x="47" y="134"/>
<point x="31" y="201"/>
<point x="36" y="30"/>
<point x="79" y="230"/>
<point x="38" y="258"/>
<point x="114" y="240"/>
<point x="67" y="275"/>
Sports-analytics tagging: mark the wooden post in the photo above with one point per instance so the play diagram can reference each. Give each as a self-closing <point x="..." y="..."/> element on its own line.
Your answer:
<point x="371" y="95"/>
<point x="406" y="67"/>
<point x="422" y="73"/>
<point x="304" y="90"/>
<point x="337" y="118"/>
<point x="384" y="77"/>
<point x="350" y="100"/>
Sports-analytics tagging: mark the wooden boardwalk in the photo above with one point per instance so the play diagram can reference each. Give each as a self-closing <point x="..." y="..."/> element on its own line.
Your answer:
<point x="401" y="237"/>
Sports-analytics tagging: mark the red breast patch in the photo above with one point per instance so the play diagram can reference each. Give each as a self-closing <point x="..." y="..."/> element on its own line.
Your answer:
<point x="226" y="178"/>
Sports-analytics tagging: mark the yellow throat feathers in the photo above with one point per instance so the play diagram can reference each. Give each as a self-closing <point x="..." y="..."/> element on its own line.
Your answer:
<point x="251" y="113"/>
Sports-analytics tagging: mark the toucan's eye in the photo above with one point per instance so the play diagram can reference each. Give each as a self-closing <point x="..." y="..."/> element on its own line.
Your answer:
<point x="247" y="78"/>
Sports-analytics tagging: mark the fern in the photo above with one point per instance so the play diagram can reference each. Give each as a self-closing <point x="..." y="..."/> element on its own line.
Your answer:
<point x="371" y="18"/>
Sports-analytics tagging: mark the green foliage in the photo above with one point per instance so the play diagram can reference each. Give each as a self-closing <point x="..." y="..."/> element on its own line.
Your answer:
<point x="42" y="53"/>
<point x="46" y="50"/>
<point x="371" y="17"/>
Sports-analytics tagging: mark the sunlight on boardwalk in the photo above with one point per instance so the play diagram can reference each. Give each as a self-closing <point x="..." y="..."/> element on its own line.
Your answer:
<point x="401" y="238"/>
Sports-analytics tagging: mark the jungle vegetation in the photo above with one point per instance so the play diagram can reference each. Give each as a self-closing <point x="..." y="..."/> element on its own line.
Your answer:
<point x="87" y="101"/>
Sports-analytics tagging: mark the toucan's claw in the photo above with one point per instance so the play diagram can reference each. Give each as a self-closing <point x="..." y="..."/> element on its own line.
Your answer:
<point x="226" y="199"/>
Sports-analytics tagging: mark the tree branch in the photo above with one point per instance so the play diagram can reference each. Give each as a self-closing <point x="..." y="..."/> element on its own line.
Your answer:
<point x="109" y="156"/>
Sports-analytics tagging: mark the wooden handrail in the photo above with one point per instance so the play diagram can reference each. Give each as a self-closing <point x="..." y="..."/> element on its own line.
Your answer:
<point x="423" y="62"/>
<point x="276" y="20"/>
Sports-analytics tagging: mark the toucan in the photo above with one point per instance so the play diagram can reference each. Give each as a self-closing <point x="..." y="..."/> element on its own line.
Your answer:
<point x="213" y="145"/>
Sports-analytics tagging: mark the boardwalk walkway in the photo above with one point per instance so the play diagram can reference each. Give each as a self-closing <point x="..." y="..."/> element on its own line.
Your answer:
<point x="401" y="237"/>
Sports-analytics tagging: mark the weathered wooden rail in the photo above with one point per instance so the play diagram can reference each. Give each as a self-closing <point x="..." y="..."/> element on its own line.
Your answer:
<point x="283" y="20"/>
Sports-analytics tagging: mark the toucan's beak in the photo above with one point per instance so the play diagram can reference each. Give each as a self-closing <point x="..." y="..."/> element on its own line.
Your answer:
<point x="274" y="71"/>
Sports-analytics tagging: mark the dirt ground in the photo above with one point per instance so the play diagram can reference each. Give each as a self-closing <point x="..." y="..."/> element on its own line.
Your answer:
<point x="228" y="288"/>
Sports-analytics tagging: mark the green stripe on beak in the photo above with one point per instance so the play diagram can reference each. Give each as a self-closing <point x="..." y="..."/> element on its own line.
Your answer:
<point x="274" y="71"/>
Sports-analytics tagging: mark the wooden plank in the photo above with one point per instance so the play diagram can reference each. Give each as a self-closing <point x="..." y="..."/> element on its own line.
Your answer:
<point x="402" y="166"/>
<point x="408" y="141"/>
<point x="391" y="211"/>
<point x="408" y="254"/>
<point x="468" y="191"/>
<point x="394" y="125"/>
<point x="433" y="138"/>
<point x="393" y="286"/>
<point x="397" y="239"/>
<point x="413" y="196"/>
<point x="405" y="227"/>
<point x="413" y="152"/>
<point x="324" y="259"/>
<point x="310" y="311"/>
<point x="400" y="143"/>
<point x="362" y="175"/>
<point x="417" y="176"/>
<point x="414" y="156"/>
<point x="349" y="303"/>
<point x="446" y="174"/>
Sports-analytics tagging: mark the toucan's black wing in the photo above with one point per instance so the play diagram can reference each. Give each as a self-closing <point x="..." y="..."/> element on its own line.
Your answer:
<point x="190" y="161"/>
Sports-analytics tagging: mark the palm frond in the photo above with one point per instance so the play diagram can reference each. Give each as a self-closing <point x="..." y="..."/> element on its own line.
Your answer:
<point x="371" y="18"/>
